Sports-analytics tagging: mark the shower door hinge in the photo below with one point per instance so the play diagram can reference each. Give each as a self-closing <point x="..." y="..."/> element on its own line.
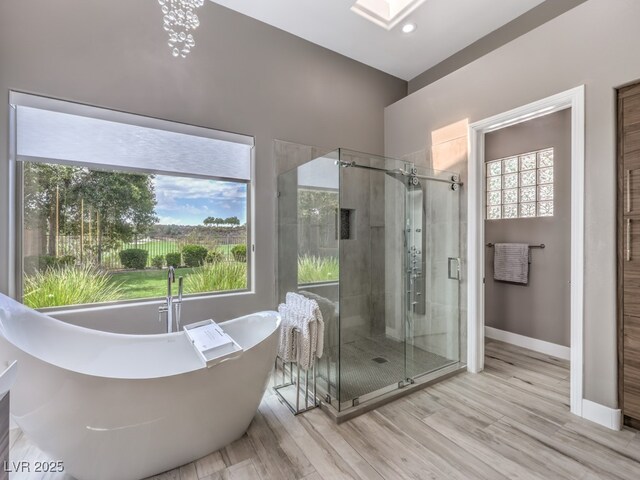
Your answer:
<point x="356" y="401"/>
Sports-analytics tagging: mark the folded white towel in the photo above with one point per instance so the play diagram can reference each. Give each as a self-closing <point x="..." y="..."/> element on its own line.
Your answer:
<point x="511" y="262"/>
<point x="304" y="316"/>
<point x="287" y="346"/>
<point x="310" y="321"/>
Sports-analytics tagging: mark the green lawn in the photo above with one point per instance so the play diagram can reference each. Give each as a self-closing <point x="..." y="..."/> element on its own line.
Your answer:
<point x="147" y="283"/>
<point x="153" y="283"/>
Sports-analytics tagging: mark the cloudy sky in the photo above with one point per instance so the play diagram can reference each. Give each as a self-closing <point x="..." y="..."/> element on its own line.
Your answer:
<point x="188" y="201"/>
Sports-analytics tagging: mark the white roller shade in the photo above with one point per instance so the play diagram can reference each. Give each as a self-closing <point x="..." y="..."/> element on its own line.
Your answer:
<point x="94" y="136"/>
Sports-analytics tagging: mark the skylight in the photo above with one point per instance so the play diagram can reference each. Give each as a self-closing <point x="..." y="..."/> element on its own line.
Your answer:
<point x="385" y="13"/>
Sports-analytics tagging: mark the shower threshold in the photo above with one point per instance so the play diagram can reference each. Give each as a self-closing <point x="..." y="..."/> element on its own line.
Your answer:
<point x="376" y="399"/>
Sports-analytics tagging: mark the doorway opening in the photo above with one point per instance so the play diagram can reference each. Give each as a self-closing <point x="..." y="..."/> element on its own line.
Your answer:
<point x="479" y="252"/>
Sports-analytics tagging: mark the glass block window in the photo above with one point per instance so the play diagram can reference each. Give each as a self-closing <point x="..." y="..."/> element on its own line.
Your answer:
<point x="520" y="186"/>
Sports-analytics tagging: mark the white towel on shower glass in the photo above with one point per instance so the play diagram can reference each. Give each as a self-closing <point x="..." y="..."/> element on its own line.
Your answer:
<point x="511" y="262"/>
<point x="301" y="314"/>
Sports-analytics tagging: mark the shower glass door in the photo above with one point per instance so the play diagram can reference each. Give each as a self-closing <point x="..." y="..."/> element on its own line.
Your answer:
<point x="372" y="202"/>
<point x="399" y="249"/>
<point x="432" y="272"/>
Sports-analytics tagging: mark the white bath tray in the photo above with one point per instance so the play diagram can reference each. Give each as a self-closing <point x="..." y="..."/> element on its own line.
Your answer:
<point x="211" y="343"/>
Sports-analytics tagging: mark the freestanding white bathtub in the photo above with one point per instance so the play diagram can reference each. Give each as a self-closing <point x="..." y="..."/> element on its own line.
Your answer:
<point x="118" y="407"/>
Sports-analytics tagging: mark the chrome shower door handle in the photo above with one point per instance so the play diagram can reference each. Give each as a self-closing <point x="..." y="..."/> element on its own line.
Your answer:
<point x="628" y="239"/>
<point x="453" y="273"/>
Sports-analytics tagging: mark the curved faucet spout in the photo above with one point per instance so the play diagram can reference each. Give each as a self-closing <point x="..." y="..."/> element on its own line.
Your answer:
<point x="167" y="307"/>
<point x="171" y="278"/>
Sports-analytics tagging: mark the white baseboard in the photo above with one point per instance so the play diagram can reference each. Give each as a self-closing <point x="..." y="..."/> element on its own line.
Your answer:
<point x="605" y="416"/>
<point x="540" y="346"/>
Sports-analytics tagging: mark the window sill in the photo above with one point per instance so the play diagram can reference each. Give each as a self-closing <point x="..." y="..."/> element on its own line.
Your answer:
<point x="318" y="284"/>
<point x="98" y="307"/>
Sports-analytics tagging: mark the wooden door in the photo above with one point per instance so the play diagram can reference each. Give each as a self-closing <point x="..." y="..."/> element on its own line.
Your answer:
<point x="628" y="220"/>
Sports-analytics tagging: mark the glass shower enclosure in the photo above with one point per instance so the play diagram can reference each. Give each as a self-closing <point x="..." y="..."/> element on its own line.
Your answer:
<point x="376" y="242"/>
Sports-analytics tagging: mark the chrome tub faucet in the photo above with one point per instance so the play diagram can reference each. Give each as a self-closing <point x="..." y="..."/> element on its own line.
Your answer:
<point x="172" y="307"/>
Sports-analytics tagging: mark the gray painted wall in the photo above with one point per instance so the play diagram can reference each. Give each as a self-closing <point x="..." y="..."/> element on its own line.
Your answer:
<point x="591" y="44"/>
<point x="541" y="308"/>
<point x="526" y="22"/>
<point x="243" y="76"/>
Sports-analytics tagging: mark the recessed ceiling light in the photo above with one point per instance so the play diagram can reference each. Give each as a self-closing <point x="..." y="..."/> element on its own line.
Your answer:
<point x="408" y="27"/>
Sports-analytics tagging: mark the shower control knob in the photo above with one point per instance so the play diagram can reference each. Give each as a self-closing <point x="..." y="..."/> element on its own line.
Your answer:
<point x="414" y="181"/>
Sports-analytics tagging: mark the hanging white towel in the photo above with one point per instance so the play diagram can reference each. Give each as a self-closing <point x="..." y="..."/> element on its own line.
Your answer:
<point x="287" y="347"/>
<point x="511" y="262"/>
<point x="311" y="325"/>
<point x="302" y="315"/>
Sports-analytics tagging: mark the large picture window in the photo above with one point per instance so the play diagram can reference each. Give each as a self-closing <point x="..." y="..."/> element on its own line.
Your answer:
<point x="107" y="206"/>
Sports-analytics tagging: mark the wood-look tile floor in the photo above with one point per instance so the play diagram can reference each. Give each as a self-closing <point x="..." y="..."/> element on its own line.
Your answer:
<point x="510" y="422"/>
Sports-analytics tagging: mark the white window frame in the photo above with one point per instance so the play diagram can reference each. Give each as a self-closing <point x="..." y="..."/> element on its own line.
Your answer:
<point x="17" y="181"/>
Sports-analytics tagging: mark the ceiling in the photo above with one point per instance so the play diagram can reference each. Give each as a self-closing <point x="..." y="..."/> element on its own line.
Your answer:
<point x="444" y="27"/>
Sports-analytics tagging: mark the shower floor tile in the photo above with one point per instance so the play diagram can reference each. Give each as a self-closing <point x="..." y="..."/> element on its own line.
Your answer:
<point x="371" y="362"/>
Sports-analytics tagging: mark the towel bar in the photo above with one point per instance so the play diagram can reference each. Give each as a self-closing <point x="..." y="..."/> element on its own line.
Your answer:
<point x="309" y="403"/>
<point x="542" y="245"/>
